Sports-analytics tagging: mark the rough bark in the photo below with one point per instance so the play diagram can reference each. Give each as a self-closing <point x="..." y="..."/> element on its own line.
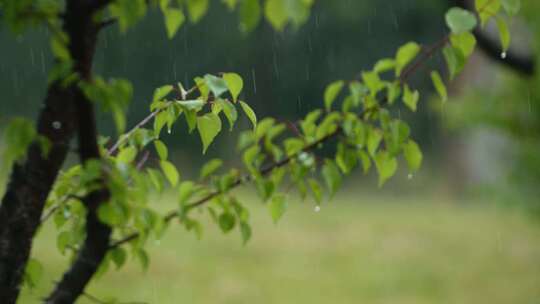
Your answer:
<point x="29" y="185"/>
<point x="96" y="243"/>
<point x="32" y="180"/>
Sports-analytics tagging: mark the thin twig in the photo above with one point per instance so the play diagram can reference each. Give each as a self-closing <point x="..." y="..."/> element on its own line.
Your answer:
<point x="126" y="136"/>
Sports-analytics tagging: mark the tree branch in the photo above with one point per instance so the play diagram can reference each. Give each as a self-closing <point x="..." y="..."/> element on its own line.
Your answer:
<point x="239" y="181"/>
<point x="425" y="56"/>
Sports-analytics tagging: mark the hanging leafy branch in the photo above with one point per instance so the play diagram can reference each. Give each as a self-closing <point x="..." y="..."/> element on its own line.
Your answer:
<point x="103" y="204"/>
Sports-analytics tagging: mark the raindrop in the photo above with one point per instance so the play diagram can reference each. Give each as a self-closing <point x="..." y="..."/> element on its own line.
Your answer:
<point x="169" y="131"/>
<point x="410" y="176"/>
<point x="317" y="208"/>
<point x="254" y="81"/>
<point x="32" y="60"/>
<point x="529" y="100"/>
<point x="276" y="69"/>
<point x="56" y="125"/>
<point x="42" y="62"/>
<point x="503" y="55"/>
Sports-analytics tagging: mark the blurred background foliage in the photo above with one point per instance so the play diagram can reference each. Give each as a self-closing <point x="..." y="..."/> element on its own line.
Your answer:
<point x="502" y="112"/>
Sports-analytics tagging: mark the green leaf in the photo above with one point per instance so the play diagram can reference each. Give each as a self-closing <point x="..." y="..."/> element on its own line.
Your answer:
<point x="111" y="213"/>
<point x="512" y="7"/>
<point x="384" y="65"/>
<point x="202" y="87"/>
<point x="231" y="4"/>
<point x="373" y="140"/>
<point x="191" y="120"/>
<point x="405" y="55"/>
<point x="365" y="160"/>
<point x="185" y="191"/>
<point x="230" y="112"/>
<point x="410" y="98"/>
<point x="156" y="178"/>
<point x="161" y="149"/>
<point x="265" y="188"/>
<point x="386" y="166"/>
<point x="217" y="85"/>
<point x="277" y="207"/>
<point x="276" y="13"/>
<point x="191" y="105"/>
<point x="394" y="91"/>
<point x="460" y="20"/>
<point x="413" y="155"/>
<point x="118" y="256"/>
<point x="216" y="107"/>
<point x="249" y="113"/>
<point x="293" y="146"/>
<point x="209" y="126"/>
<point x="18" y="135"/>
<point x="455" y="60"/>
<point x="504" y="35"/>
<point x="143" y="258"/>
<point x="358" y="90"/>
<point x="331" y="92"/>
<point x="127" y="155"/>
<point x="127" y="12"/>
<point x="250" y="155"/>
<point x="63" y="240"/>
<point x="263" y="127"/>
<point x="245" y="230"/>
<point x="60" y="49"/>
<point x="250" y="15"/>
<point x="298" y="11"/>
<point x="210" y="167"/>
<point x="234" y="83"/>
<point x="331" y="176"/>
<point x="174" y="18"/>
<point x="197" y="9"/>
<point x="227" y="222"/>
<point x="159" y="122"/>
<point x="33" y="272"/>
<point x="162" y="92"/>
<point x="439" y="85"/>
<point x="316" y="189"/>
<point x="373" y="82"/>
<point x="163" y="4"/>
<point x="170" y="172"/>
<point x="396" y="136"/>
<point x="487" y="9"/>
<point x="465" y="42"/>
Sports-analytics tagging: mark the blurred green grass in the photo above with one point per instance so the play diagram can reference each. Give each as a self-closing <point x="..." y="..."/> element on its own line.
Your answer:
<point x="355" y="250"/>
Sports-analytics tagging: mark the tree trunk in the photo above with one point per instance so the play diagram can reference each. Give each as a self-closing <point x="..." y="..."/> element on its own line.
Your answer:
<point x="32" y="180"/>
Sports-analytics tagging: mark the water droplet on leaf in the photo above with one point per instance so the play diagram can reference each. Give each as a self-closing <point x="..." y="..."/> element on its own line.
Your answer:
<point x="503" y="55"/>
